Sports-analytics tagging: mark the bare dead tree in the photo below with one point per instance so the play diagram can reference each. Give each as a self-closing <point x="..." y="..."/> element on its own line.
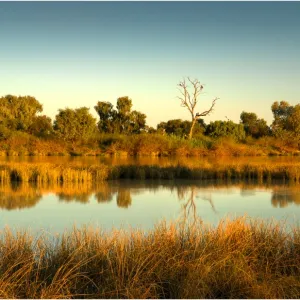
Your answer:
<point x="189" y="99"/>
<point x="209" y="199"/>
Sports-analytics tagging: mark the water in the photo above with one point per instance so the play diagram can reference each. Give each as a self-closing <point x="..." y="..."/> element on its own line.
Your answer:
<point x="142" y="204"/>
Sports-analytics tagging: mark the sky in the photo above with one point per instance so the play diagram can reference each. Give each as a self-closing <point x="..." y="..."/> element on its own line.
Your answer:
<point x="73" y="54"/>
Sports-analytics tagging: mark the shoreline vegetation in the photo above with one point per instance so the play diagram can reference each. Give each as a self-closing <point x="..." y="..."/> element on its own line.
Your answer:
<point x="121" y="131"/>
<point x="241" y="258"/>
<point x="81" y="173"/>
<point x="155" y="145"/>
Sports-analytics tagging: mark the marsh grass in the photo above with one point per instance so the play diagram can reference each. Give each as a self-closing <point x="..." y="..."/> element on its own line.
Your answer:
<point x="240" y="258"/>
<point x="51" y="173"/>
<point x="76" y="172"/>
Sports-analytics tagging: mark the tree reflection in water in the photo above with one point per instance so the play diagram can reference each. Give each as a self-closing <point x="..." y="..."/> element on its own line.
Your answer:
<point x="282" y="198"/>
<point x="124" y="198"/>
<point x="26" y="195"/>
<point x="188" y="194"/>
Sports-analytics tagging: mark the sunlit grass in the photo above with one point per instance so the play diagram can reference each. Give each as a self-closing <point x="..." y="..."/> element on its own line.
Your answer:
<point x="237" y="259"/>
<point x="23" y="144"/>
<point x="202" y="170"/>
<point x="51" y="173"/>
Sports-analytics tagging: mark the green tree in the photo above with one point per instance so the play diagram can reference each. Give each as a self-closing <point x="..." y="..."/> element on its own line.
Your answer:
<point x="75" y="124"/>
<point x="226" y="129"/>
<point x="286" y="123"/>
<point x="181" y="128"/>
<point x="18" y="113"/>
<point x="161" y="127"/>
<point x="124" y="116"/>
<point x="41" y="126"/>
<point x="124" y="105"/>
<point x="253" y="126"/>
<point x="122" y="120"/>
<point x="281" y="112"/>
<point x="137" y="122"/>
<point x="293" y="122"/>
<point x="107" y="117"/>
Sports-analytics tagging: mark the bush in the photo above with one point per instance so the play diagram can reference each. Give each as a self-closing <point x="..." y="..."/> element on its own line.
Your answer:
<point x="218" y="129"/>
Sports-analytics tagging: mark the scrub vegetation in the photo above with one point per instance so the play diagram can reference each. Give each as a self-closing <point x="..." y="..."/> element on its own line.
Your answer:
<point x="122" y="131"/>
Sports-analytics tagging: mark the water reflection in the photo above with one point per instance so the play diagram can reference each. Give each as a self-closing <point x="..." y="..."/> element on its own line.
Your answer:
<point x="17" y="196"/>
<point x="26" y="195"/>
<point x="284" y="197"/>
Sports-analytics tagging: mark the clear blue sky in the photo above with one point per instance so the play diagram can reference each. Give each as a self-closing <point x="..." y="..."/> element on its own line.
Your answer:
<point x="72" y="54"/>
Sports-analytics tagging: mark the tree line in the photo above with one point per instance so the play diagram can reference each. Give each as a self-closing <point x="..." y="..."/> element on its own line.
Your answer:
<point x="20" y="113"/>
<point x="23" y="113"/>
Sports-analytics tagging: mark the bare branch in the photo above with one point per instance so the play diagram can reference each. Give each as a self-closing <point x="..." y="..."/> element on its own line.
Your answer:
<point x="185" y="99"/>
<point x="210" y="110"/>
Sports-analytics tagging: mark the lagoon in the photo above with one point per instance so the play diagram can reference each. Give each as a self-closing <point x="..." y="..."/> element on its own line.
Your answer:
<point x="142" y="204"/>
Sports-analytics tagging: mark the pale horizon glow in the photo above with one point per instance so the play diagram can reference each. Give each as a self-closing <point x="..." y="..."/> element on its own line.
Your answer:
<point x="73" y="54"/>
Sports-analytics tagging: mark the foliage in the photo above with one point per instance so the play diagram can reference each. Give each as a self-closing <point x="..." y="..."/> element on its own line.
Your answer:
<point x="41" y="126"/>
<point x="18" y="113"/>
<point x="286" y="124"/>
<point x="218" y="129"/>
<point x="4" y="132"/>
<point x="122" y="120"/>
<point x="181" y="128"/>
<point x="123" y="131"/>
<point x="253" y="126"/>
<point x="137" y="122"/>
<point x="107" y="116"/>
<point x="75" y="124"/>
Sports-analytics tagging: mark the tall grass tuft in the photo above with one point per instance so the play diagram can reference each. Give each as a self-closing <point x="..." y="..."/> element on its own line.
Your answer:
<point x="237" y="259"/>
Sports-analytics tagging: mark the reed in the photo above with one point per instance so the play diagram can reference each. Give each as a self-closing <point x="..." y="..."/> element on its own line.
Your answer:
<point x="51" y="173"/>
<point x="239" y="258"/>
<point x="287" y="172"/>
<point x="72" y="172"/>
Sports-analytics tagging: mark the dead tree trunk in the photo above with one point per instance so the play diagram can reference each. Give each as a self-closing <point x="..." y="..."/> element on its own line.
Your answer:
<point x="192" y="128"/>
<point x="190" y="100"/>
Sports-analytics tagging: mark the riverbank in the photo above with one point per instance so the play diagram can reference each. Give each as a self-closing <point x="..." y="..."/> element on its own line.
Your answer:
<point x="237" y="259"/>
<point x="146" y="145"/>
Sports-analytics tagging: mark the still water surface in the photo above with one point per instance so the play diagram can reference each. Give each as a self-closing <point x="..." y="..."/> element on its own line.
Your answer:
<point x="142" y="204"/>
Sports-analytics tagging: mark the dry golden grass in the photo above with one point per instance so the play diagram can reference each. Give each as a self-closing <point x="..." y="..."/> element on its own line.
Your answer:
<point x="237" y="259"/>
<point x="201" y="170"/>
<point x="51" y="173"/>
